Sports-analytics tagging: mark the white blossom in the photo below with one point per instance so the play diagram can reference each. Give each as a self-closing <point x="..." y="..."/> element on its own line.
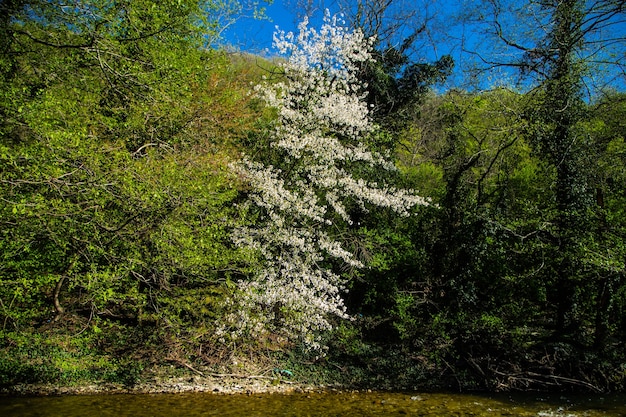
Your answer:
<point x="323" y="119"/>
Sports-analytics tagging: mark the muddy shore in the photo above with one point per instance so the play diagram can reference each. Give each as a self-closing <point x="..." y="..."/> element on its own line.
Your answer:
<point x="218" y="384"/>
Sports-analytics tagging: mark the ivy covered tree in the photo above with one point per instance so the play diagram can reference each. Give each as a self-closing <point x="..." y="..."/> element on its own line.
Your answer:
<point x="580" y="38"/>
<point x="526" y="250"/>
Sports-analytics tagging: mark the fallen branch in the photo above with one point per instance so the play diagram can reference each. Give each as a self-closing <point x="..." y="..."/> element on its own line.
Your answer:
<point x="544" y="379"/>
<point x="218" y="375"/>
<point x="246" y="377"/>
<point x="567" y="380"/>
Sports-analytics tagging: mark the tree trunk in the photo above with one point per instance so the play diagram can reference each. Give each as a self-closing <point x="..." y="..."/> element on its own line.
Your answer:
<point x="58" y="308"/>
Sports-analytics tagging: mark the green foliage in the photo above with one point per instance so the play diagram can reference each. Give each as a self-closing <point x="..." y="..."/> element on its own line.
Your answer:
<point x="116" y="200"/>
<point x="396" y="84"/>
<point x="57" y="359"/>
<point x="488" y="285"/>
<point x="117" y="205"/>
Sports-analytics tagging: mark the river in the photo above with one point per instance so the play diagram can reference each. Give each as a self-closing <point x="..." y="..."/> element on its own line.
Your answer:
<point x="315" y="404"/>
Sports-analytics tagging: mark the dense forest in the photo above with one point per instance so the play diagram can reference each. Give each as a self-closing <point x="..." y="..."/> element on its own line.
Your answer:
<point x="332" y="210"/>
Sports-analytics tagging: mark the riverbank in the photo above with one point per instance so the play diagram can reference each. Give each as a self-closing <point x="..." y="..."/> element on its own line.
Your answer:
<point x="157" y="381"/>
<point x="196" y="384"/>
<point x="49" y="363"/>
<point x="268" y="377"/>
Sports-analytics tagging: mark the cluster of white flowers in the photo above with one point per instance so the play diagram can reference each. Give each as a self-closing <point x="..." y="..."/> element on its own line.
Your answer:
<point x="322" y="121"/>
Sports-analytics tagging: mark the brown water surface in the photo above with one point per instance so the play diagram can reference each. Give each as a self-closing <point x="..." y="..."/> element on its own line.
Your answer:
<point x="314" y="404"/>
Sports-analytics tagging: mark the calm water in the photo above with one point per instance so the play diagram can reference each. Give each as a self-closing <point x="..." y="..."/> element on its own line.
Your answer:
<point x="330" y="404"/>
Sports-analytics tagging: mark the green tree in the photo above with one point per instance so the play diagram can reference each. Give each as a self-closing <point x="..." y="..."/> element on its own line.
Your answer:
<point x="115" y="199"/>
<point x="604" y="251"/>
<point x="551" y="252"/>
<point x="476" y="291"/>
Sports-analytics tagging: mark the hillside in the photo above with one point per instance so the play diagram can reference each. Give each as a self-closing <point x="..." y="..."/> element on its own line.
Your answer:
<point x="132" y="248"/>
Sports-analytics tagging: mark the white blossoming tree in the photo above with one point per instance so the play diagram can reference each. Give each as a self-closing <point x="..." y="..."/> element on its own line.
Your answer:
<point x="322" y="121"/>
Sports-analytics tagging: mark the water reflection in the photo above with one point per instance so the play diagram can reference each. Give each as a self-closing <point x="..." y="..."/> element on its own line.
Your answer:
<point x="315" y="404"/>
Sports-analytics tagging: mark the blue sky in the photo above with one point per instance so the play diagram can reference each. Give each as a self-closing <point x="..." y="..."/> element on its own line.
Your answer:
<point x="255" y="36"/>
<point x="249" y="34"/>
